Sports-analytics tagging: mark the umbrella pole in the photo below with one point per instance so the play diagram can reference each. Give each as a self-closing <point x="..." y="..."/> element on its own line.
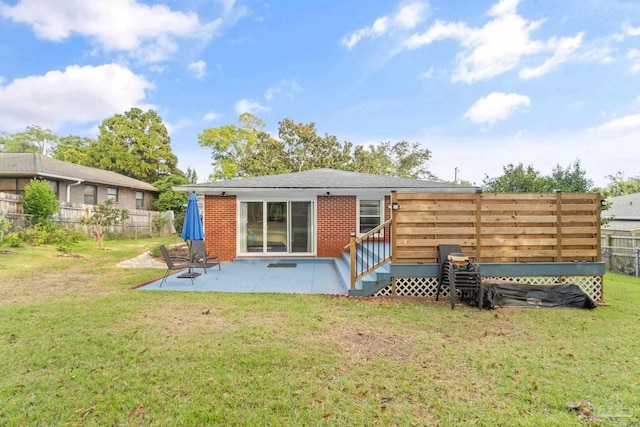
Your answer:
<point x="190" y="274"/>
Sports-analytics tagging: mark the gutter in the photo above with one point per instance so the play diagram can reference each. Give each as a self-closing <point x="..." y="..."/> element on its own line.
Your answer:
<point x="66" y="178"/>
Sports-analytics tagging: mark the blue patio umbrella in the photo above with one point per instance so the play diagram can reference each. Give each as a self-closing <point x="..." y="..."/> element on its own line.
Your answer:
<point x="192" y="227"/>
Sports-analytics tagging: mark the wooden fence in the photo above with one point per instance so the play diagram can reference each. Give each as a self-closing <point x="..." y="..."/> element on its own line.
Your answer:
<point x="11" y="203"/>
<point x="140" y="222"/>
<point x="523" y="227"/>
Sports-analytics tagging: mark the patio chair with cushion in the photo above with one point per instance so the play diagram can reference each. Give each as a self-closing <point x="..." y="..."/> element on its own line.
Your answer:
<point x="459" y="275"/>
<point x="201" y="258"/>
<point x="174" y="263"/>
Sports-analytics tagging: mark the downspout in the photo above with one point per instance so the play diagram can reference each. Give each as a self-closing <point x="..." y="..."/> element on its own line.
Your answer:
<point x="66" y="178"/>
<point x="78" y="182"/>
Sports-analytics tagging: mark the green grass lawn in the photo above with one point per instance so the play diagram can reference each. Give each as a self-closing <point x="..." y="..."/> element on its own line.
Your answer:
<point x="78" y="347"/>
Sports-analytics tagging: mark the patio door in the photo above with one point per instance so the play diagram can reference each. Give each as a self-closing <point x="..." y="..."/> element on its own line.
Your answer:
<point x="276" y="227"/>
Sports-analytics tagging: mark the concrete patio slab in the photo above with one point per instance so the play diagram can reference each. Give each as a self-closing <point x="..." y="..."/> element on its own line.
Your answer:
<point x="308" y="276"/>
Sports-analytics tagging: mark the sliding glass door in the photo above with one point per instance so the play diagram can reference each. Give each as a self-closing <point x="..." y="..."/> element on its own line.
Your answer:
<point x="276" y="227"/>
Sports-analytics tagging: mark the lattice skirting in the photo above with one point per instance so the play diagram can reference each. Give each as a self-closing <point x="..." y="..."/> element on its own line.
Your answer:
<point x="428" y="286"/>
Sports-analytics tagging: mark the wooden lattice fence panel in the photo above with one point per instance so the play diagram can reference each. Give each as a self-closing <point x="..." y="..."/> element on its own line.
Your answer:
<point x="428" y="286"/>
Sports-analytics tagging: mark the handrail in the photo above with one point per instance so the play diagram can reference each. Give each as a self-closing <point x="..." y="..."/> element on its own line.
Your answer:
<point x="369" y="251"/>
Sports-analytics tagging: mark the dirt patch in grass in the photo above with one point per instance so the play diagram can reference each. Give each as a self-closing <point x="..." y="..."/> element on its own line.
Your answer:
<point x="176" y="320"/>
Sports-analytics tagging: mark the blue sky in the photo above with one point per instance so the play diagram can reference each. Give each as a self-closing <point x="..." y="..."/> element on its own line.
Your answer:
<point x="482" y="84"/>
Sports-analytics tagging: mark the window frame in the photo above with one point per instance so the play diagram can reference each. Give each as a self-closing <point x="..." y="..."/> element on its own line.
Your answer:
<point x="140" y="200"/>
<point x="359" y="216"/>
<point x="94" y="195"/>
<point x="111" y="196"/>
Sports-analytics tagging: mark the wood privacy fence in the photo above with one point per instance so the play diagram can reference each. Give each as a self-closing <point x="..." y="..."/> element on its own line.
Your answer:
<point x="621" y="254"/>
<point x="496" y="227"/>
<point x="140" y="222"/>
<point x="11" y="203"/>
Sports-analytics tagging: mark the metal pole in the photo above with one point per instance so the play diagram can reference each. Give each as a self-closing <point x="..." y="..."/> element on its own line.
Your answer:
<point x="637" y="262"/>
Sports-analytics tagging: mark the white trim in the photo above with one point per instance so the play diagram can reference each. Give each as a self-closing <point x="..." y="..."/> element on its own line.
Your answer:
<point x="382" y="212"/>
<point x="264" y="201"/>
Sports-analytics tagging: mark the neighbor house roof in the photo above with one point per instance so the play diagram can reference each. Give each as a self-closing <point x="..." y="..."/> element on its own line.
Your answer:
<point x="624" y="212"/>
<point x="36" y="164"/>
<point x="625" y="207"/>
<point x="331" y="180"/>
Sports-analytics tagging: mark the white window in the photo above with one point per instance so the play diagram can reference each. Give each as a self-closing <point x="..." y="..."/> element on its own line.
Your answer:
<point x="369" y="214"/>
<point x="139" y="199"/>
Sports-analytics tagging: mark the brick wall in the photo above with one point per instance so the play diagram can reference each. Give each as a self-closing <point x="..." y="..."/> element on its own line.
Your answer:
<point x="336" y="222"/>
<point x="220" y="226"/>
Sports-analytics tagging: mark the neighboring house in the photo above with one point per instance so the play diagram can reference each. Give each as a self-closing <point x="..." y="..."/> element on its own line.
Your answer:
<point x="302" y="214"/>
<point x="624" y="215"/>
<point x="74" y="184"/>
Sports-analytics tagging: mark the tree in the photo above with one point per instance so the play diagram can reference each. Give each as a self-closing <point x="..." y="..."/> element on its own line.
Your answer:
<point x="229" y="145"/>
<point x="33" y="139"/>
<point x="307" y="150"/>
<point x="40" y="201"/>
<point x="73" y="149"/>
<point x="169" y="200"/>
<point x="135" y="144"/>
<point x="517" y="179"/>
<point x="401" y="159"/>
<point x="619" y="185"/>
<point x="191" y="175"/>
<point x="246" y="150"/>
<point x="102" y="217"/>
<point x="573" y="179"/>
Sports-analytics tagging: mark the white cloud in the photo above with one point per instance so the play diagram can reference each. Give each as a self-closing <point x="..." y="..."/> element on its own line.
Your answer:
<point x="563" y="49"/>
<point x="620" y="126"/>
<point x="75" y="95"/>
<point x="407" y="17"/>
<point x="288" y="88"/>
<point x="502" y="43"/>
<point x="495" y="106"/>
<point x="490" y="50"/>
<point x="248" y="106"/>
<point x="632" y="31"/>
<point x="427" y="74"/>
<point x="198" y="68"/>
<point x="147" y="32"/>
<point x="211" y="116"/>
<point x="633" y="55"/>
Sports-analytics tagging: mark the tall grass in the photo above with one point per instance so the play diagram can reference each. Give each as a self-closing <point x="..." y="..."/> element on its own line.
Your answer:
<point x="78" y="347"/>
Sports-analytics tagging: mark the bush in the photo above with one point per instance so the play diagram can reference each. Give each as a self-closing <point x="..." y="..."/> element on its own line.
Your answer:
<point x="12" y="240"/>
<point x="38" y="234"/>
<point x="40" y="200"/>
<point x="159" y="222"/>
<point x="64" y="240"/>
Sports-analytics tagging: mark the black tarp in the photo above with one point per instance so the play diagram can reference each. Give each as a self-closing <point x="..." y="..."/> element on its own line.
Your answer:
<point x="520" y="295"/>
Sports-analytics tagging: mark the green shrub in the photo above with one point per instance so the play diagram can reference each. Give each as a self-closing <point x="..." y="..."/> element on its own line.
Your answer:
<point x="155" y="252"/>
<point x="40" y="200"/>
<point x="12" y="240"/>
<point x="38" y="234"/>
<point x="159" y="222"/>
<point x="64" y="240"/>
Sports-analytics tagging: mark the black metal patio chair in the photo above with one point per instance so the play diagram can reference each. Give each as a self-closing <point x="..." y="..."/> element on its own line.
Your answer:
<point x="201" y="258"/>
<point x="174" y="263"/>
<point x="459" y="275"/>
